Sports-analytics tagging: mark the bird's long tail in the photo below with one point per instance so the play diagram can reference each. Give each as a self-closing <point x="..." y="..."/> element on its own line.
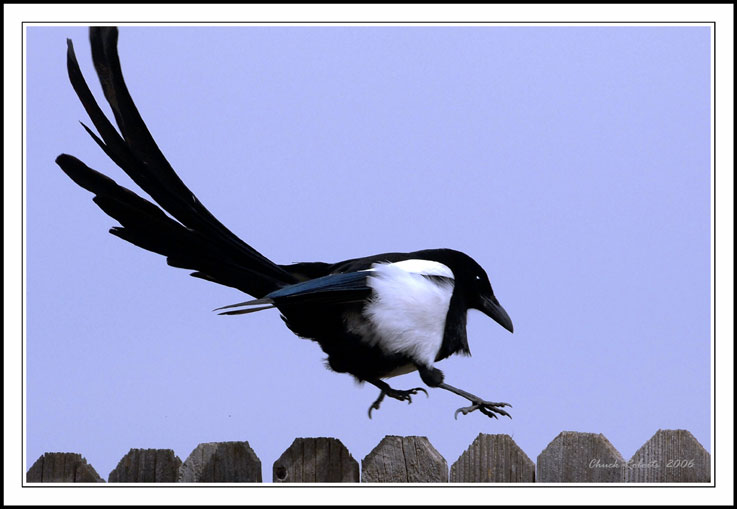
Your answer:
<point x="192" y="237"/>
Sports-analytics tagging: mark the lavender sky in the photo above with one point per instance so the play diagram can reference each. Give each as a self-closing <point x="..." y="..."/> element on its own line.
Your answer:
<point x="573" y="163"/>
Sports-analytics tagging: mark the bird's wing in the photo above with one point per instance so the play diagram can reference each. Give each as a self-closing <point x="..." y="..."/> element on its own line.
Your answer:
<point x="136" y="152"/>
<point x="326" y="290"/>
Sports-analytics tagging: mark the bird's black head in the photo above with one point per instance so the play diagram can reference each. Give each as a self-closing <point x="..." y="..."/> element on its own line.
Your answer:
<point x="471" y="279"/>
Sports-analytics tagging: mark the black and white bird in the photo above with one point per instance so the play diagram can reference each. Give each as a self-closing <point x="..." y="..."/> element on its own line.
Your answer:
<point x="375" y="317"/>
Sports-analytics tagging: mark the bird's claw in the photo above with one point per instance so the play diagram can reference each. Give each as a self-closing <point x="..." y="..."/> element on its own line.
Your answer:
<point x="407" y="395"/>
<point x="487" y="408"/>
<point x="396" y="394"/>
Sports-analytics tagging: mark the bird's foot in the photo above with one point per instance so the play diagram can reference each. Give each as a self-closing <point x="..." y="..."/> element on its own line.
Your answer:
<point x="396" y="394"/>
<point x="488" y="408"/>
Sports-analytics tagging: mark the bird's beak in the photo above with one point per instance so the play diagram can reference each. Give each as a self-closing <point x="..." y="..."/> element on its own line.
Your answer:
<point x="491" y="307"/>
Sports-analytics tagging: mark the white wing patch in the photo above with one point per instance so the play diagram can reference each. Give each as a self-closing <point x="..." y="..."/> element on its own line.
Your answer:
<point x="406" y="314"/>
<point x="424" y="267"/>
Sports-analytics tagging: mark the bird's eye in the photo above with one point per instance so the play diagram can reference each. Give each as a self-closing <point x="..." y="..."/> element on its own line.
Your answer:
<point x="478" y="278"/>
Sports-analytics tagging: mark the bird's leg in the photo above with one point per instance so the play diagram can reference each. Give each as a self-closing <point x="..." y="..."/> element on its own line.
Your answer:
<point x="488" y="408"/>
<point x="386" y="390"/>
<point x="434" y="378"/>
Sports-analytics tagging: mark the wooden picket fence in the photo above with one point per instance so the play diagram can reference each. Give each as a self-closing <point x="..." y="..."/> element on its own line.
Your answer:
<point x="670" y="456"/>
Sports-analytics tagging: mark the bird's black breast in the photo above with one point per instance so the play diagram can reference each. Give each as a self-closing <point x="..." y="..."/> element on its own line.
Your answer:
<point x="455" y="339"/>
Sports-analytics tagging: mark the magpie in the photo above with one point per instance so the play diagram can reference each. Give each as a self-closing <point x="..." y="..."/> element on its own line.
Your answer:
<point x="375" y="317"/>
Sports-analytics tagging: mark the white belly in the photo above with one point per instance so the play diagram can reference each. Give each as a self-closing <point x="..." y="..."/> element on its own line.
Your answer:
<point x="406" y="314"/>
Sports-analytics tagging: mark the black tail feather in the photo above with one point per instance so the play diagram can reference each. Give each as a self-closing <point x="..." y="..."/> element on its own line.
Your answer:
<point x="145" y="225"/>
<point x="194" y="239"/>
